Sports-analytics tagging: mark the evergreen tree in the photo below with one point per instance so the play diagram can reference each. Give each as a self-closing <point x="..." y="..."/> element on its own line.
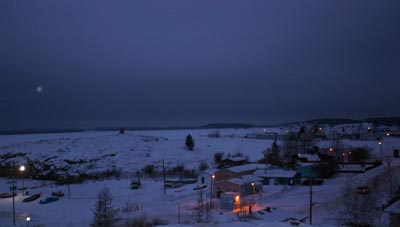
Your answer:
<point x="105" y="215"/>
<point x="272" y="155"/>
<point x="275" y="150"/>
<point x="189" y="142"/>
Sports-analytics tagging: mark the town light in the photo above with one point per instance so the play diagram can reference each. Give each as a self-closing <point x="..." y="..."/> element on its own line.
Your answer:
<point x="237" y="198"/>
<point x="211" y="189"/>
<point x="22" y="169"/>
<point x="28" y="219"/>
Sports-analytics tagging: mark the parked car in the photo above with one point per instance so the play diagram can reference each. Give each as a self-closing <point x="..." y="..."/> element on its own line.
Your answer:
<point x="314" y="182"/>
<point x="135" y="184"/>
<point x="31" y="198"/>
<point x="49" y="199"/>
<point x="362" y="190"/>
<point x="173" y="184"/>
<point x="58" y="193"/>
<point x="7" y="195"/>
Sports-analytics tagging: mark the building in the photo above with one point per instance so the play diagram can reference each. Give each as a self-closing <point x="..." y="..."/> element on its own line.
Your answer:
<point x="394" y="214"/>
<point x="308" y="158"/>
<point x="229" y="201"/>
<point x="244" y="186"/>
<point x="306" y="165"/>
<point x="206" y="177"/>
<point x="230" y="162"/>
<point x="238" y="171"/>
<point x="279" y="177"/>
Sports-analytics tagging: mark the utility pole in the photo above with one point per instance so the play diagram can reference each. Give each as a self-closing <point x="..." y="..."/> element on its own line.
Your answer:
<point x="179" y="213"/>
<point x="311" y="179"/>
<point x="69" y="189"/>
<point x="390" y="180"/>
<point x="211" y="190"/>
<point x="163" y="167"/>
<point x="13" y="193"/>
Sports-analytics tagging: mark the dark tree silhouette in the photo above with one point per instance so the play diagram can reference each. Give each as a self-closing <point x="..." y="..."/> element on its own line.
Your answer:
<point x="105" y="215"/>
<point x="360" y="154"/>
<point x="189" y="142"/>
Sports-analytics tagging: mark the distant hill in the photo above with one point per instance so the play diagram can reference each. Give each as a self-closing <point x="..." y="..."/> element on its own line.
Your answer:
<point x="384" y="120"/>
<point x="338" y="121"/>
<point x="228" y="125"/>
<point x="332" y="121"/>
<point x="39" y="131"/>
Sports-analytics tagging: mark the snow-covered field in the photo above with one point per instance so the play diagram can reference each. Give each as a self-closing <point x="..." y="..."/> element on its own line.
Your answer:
<point x="133" y="150"/>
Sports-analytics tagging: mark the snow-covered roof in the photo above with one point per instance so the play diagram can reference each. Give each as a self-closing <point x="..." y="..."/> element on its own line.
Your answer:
<point x="310" y="157"/>
<point x="394" y="208"/>
<point x="275" y="173"/>
<point x="235" y="159"/>
<point x="243" y="168"/>
<point x="208" y="172"/>
<point x="229" y="194"/>
<point x="244" y="179"/>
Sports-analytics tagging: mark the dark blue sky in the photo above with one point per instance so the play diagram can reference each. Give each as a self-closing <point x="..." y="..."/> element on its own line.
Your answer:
<point x="164" y="63"/>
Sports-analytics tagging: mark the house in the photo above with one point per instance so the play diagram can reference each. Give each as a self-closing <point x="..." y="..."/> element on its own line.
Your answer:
<point x="229" y="201"/>
<point x="206" y="177"/>
<point x="307" y="170"/>
<point x="306" y="165"/>
<point x="313" y="158"/>
<point x="394" y="213"/>
<point x="279" y="176"/>
<point x="244" y="185"/>
<point x="238" y="171"/>
<point x="233" y="161"/>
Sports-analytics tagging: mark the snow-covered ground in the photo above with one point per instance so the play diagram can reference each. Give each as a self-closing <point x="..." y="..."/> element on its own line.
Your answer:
<point x="134" y="150"/>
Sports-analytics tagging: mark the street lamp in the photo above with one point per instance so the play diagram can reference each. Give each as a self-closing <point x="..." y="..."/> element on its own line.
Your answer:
<point x="28" y="219"/>
<point x="22" y="169"/>
<point x="380" y="145"/>
<point x="179" y="213"/>
<point x="211" y="189"/>
<point x="237" y="203"/>
<point x="13" y="191"/>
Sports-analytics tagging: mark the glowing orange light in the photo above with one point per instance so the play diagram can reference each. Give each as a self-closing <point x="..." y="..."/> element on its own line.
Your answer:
<point x="237" y="198"/>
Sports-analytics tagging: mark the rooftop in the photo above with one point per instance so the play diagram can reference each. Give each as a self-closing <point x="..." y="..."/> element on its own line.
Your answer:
<point x="243" y="168"/>
<point x="394" y="208"/>
<point x="276" y="173"/>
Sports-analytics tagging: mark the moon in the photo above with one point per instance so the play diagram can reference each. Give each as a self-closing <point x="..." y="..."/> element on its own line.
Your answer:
<point x="39" y="89"/>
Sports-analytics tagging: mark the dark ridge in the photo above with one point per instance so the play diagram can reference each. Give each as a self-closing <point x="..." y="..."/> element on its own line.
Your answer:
<point x="332" y="121"/>
<point x="38" y="131"/>
<point x="228" y="125"/>
<point x="384" y="120"/>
